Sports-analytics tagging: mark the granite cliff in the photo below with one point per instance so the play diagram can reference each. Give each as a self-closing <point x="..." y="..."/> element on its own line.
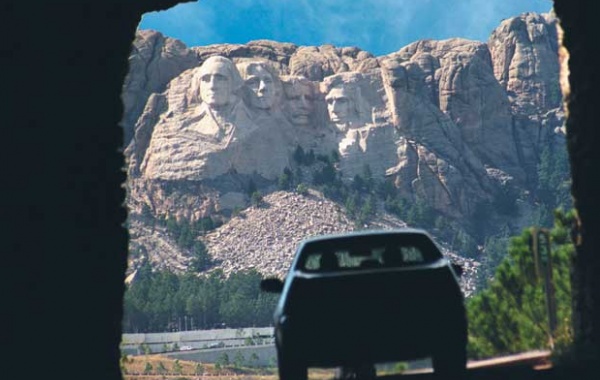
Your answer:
<point x="231" y="132"/>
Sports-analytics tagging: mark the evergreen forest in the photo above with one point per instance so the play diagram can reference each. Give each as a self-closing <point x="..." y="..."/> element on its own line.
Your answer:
<point x="159" y="301"/>
<point x="508" y="314"/>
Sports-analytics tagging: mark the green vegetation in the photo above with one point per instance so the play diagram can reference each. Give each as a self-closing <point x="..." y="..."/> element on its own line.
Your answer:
<point x="161" y="367"/>
<point x="159" y="301"/>
<point x="286" y="180"/>
<point x="357" y="197"/>
<point x="414" y="212"/>
<point x="145" y="349"/>
<point x="239" y="360"/>
<point x="554" y="182"/>
<point x="302" y="189"/>
<point x="507" y="315"/>
<point x="510" y="315"/>
<point x="494" y="251"/>
<point x="186" y="236"/>
<point x="256" y="198"/>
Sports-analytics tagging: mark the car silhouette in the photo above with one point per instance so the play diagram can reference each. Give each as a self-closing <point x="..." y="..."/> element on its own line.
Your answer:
<point x="357" y="299"/>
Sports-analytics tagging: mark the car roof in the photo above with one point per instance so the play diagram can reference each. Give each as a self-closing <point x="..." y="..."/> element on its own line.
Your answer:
<point x="365" y="233"/>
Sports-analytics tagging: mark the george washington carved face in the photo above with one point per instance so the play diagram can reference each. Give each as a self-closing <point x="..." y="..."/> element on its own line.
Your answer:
<point x="217" y="77"/>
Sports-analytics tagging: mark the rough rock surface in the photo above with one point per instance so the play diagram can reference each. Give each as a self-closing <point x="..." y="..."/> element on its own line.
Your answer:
<point x="277" y="52"/>
<point x="153" y="62"/>
<point x="456" y="75"/>
<point x="155" y="244"/>
<point x="453" y="123"/>
<point x="316" y="63"/>
<point x="265" y="238"/>
<point x="524" y="53"/>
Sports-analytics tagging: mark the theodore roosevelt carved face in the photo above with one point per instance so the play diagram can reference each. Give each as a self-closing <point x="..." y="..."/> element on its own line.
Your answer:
<point x="299" y="101"/>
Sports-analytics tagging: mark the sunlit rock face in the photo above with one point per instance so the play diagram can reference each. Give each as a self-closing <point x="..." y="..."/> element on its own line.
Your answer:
<point x="524" y="53"/>
<point x="450" y="123"/>
<point x="154" y="61"/>
<point x="210" y="131"/>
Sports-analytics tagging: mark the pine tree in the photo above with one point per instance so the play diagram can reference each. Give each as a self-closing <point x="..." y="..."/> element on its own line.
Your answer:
<point x="177" y="368"/>
<point x="251" y="188"/>
<point x="367" y="175"/>
<point x="256" y="199"/>
<point x="510" y="315"/>
<point x="309" y="159"/>
<point x="223" y="359"/>
<point x="201" y="260"/>
<point x="298" y="155"/>
<point x="172" y="226"/>
<point x="283" y="182"/>
<point x="238" y="360"/>
<point x="302" y="189"/>
<point x="368" y="208"/>
<point x="148" y="369"/>
<point x="334" y="156"/>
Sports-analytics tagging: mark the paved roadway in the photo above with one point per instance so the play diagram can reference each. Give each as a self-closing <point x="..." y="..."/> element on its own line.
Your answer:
<point x="534" y="365"/>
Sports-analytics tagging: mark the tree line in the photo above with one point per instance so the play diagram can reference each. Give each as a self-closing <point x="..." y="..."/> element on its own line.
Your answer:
<point x="508" y="316"/>
<point x="160" y="300"/>
<point x="358" y="196"/>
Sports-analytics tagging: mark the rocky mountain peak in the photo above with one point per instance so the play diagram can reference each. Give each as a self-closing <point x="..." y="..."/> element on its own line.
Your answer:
<point x="440" y="128"/>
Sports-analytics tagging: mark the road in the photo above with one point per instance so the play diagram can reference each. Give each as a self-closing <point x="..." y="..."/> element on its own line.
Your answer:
<point x="525" y="366"/>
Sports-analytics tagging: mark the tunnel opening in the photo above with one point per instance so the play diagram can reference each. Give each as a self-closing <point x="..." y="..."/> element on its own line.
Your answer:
<point x="56" y="278"/>
<point x="549" y="167"/>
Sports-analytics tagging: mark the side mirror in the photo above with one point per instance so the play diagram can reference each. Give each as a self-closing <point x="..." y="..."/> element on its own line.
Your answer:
<point x="271" y="285"/>
<point x="458" y="269"/>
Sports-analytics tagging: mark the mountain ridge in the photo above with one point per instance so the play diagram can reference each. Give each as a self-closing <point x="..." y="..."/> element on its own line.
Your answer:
<point x="469" y="122"/>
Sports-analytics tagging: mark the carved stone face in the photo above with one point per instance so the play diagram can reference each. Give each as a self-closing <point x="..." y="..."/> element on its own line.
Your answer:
<point x="299" y="104"/>
<point x="215" y="84"/>
<point x="260" y="81"/>
<point x="339" y="105"/>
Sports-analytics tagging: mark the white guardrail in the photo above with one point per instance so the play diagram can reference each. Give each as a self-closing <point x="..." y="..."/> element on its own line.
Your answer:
<point x="137" y="344"/>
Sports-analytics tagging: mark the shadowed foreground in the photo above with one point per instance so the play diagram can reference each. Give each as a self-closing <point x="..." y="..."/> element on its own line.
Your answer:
<point x="68" y="204"/>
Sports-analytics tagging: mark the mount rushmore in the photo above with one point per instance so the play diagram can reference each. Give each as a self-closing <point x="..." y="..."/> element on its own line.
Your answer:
<point x="451" y="123"/>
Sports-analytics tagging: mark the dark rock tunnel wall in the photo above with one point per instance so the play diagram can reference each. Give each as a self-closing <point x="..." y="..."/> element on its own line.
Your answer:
<point x="583" y="137"/>
<point x="64" y="245"/>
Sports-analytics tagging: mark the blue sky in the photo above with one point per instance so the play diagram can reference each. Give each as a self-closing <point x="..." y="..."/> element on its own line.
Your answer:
<point x="378" y="26"/>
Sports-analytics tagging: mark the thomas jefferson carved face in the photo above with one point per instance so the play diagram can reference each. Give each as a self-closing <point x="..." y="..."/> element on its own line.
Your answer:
<point x="216" y="86"/>
<point x="299" y="104"/>
<point x="340" y="105"/>
<point x="262" y="84"/>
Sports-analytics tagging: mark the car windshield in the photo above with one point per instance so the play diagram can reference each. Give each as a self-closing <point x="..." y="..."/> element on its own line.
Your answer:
<point x="367" y="252"/>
